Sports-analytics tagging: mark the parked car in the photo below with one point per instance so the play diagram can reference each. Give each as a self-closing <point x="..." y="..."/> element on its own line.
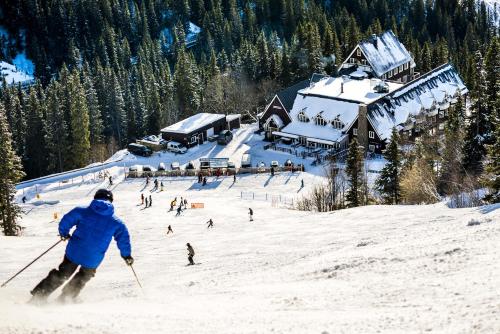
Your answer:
<point x="147" y="168"/>
<point x="301" y="167"/>
<point x="225" y="136"/>
<point x="288" y="163"/>
<point x="175" y="166"/>
<point x="190" y="165"/>
<point x="138" y="149"/>
<point x="275" y="164"/>
<point x="135" y="168"/>
<point x="176" y="147"/>
<point x="261" y="166"/>
<point x="246" y="160"/>
<point x="161" y="166"/>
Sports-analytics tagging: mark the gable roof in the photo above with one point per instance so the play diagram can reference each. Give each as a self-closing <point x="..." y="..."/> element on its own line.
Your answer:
<point x="385" y="52"/>
<point x="193" y="123"/>
<point x="287" y="96"/>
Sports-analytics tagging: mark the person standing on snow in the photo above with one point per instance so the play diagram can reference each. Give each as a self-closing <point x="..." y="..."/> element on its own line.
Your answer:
<point x="146" y="200"/>
<point x="179" y="210"/>
<point x="95" y="226"/>
<point x="190" y="254"/>
<point x="250" y="213"/>
<point x="142" y="199"/>
<point x="169" y="230"/>
<point x="161" y="186"/>
<point x="110" y="180"/>
<point x="150" y="201"/>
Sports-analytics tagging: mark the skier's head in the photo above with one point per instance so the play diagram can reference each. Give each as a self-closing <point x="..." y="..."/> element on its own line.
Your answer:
<point x="104" y="194"/>
<point x="188" y="244"/>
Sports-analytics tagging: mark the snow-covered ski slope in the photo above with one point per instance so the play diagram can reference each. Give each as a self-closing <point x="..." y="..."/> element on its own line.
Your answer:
<point x="388" y="269"/>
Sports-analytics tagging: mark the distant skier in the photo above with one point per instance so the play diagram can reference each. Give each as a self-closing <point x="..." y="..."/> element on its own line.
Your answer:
<point x="146" y="200"/>
<point x="150" y="201"/>
<point x="234" y="178"/>
<point x="161" y="186"/>
<point x="156" y="185"/>
<point x="190" y="254"/>
<point x="169" y="230"/>
<point x="95" y="226"/>
<point x="204" y="181"/>
<point x="210" y="223"/>
<point x="179" y="210"/>
<point x="147" y="179"/>
<point x="185" y="203"/>
<point x="272" y="171"/>
<point x="171" y="206"/>
<point x="24" y="199"/>
<point x="142" y="199"/>
<point x="250" y="213"/>
<point x="200" y="178"/>
<point x="110" y="180"/>
<point x="302" y="183"/>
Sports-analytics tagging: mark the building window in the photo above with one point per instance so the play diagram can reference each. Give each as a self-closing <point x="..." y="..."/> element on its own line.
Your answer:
<point x="441" y="113"/>
<point x="337" y="124"/>
<point x="371" y="134"/>
<point x="401" y="68"/>
<point x="363" y="61"/>
<point x="371" y="148"/>
<point x="355" y="131"/>
<point x="406" y="66"/>
<point x="194" y="139"/>
<point x="358" y="52"/>
<point x="319" y="120"/>
<point x="352" y="60"/>
<point x="302" y="116"/>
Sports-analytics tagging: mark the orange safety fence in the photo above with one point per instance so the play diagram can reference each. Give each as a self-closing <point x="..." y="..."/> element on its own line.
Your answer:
<point x="197" y="205"/>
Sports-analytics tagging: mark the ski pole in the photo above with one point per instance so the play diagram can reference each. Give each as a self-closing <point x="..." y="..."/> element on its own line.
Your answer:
<point x="20" y="271"/>
<point x="136" y="278"/>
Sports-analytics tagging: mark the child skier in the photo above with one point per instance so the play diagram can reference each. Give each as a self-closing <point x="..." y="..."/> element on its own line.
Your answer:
<point x="190" y="254"/>
<point x="95" y="226"/>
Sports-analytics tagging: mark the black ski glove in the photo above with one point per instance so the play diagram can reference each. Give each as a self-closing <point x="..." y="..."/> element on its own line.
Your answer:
<point x="129" y="260"/>
<point x="65" y="237"/>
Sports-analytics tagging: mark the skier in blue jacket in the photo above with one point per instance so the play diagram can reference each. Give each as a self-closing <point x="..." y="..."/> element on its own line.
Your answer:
<point x="95" y="226"/>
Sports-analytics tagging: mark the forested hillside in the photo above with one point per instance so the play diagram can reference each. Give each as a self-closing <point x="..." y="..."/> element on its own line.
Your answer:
<point x="111" y="71"/>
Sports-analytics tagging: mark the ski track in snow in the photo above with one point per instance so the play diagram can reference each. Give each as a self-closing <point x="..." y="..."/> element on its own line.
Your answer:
<point x="388" y="269"/>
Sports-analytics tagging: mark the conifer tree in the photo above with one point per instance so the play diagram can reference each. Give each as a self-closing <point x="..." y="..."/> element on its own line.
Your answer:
<point x="354" y="171"/>
<point x="56" y="130"/>
<point x="35" y="159"/>
<point x="388" y="182"/>
<point x="80" y="133"/>
<point x="10" y="173"/>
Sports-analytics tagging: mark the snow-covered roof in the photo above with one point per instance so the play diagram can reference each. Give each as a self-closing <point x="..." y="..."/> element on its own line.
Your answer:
<point x="329" y="109"/>
<point x="385" y="52"/>
<point x="193" y="123"/>
<point x="354" y="90"/>
<point x="232" y="117"/>
<point x="422" y="95"/>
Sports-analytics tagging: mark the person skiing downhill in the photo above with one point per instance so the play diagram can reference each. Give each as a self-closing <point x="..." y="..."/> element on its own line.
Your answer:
<point x="210" y="223"/>
<point x="179" y="210"/>
<point x="95" y="226"/>
<point x="250" y="213"/>
<point x="142" y="199"/>
<point x="190" y="254"/>
<point x="150" y="201"/>
<point x="169" y="229"/>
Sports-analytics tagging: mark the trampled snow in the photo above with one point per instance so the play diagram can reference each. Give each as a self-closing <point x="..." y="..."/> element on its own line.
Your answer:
<point x="387" y="269"/>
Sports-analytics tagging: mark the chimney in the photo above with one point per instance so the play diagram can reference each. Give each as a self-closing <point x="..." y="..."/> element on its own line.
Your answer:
<point x="363" y="126"/>
<point x="374" y="40"/>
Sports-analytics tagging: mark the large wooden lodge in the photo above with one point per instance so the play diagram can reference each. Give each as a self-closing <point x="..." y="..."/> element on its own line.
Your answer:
<point x="377" y="89"/>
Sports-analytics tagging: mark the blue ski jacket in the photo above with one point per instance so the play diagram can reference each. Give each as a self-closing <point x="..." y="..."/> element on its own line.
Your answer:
<point x="95" y="226"/>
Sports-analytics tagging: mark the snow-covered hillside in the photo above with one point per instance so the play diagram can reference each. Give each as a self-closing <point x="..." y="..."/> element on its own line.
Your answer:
<point x="389" y="269"/>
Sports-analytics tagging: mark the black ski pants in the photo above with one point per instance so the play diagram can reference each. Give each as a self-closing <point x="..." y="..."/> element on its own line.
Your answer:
<point x="190" y="258"/>
<point x="58" y="276"/>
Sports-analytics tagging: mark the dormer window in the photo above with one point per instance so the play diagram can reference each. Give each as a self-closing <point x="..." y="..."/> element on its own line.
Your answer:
<point x="319" y="120"/>
<point x="302" y="116"/>
<point x="358" y="52"/>
<point x="337" y="124"/>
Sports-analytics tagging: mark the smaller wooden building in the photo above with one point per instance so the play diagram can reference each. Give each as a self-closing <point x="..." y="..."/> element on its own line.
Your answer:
<point x="196" y="129"/>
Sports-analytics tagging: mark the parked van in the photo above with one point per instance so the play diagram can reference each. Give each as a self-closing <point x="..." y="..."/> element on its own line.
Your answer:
<point x="139" y="149"/>
<point x="246" y="160"/>
<point x="161" y="166"/>
<point x="175" y="166"/>
<point x="176" y="147"/>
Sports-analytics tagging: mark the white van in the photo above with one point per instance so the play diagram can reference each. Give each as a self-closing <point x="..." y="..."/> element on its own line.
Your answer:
<point x="246" y="160"/>
<point x="176" y="147"/>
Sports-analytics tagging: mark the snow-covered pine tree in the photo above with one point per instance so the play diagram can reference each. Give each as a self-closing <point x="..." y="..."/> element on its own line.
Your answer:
<point x="451" y="174"/>
<point x="36" y="148"/>
<point x="387" y="183"/>
<point x="56" y="129"/>
<point x="480" y="128"/>
<point x="354" y="171"/>
<point x="10" y="173"/>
